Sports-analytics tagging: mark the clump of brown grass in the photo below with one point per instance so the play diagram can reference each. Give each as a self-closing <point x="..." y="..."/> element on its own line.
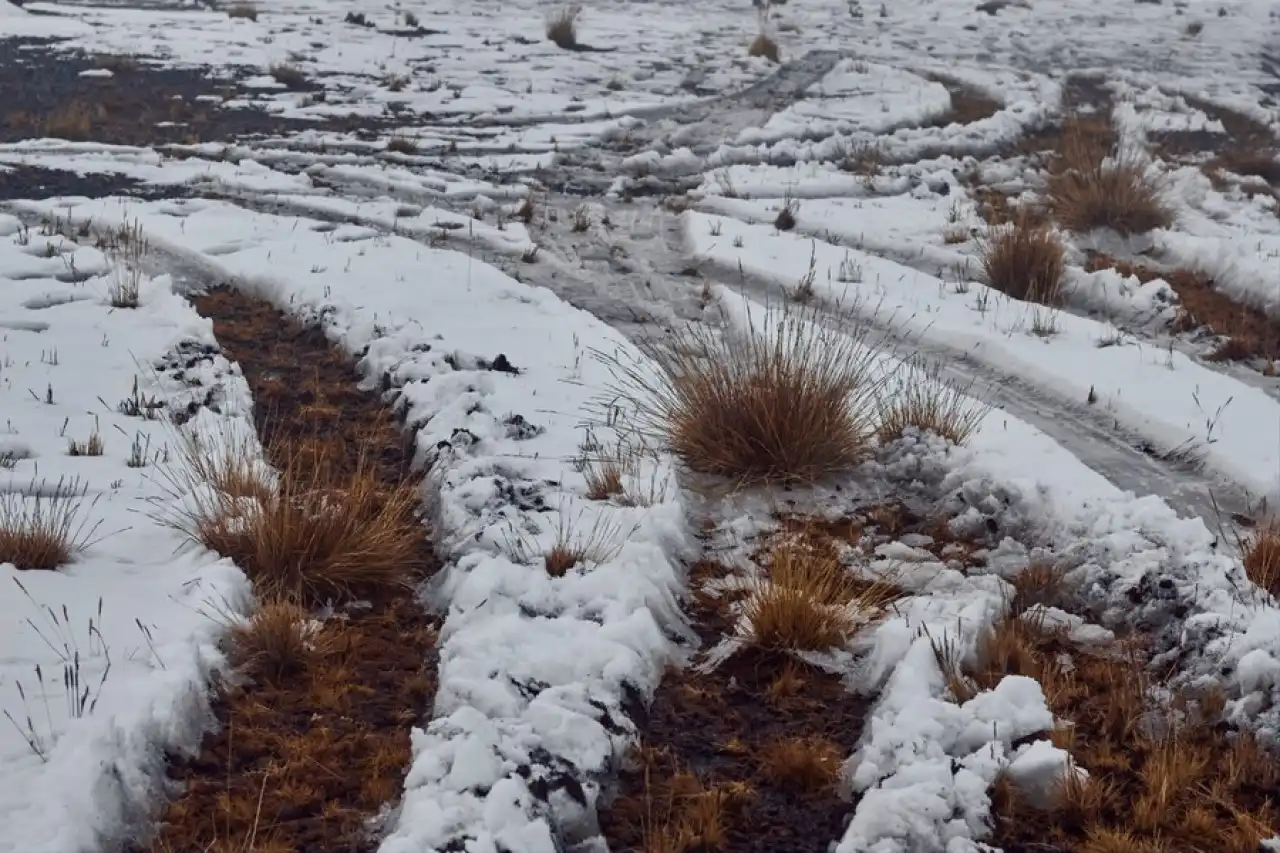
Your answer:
<point x="243" y="10"/>
<point x="764" y="45"/>
<point x="1098" y="184"/>
<point x="402" y="145"/>
<point x="575" y="544"/>
<point x="678" y="812"/>
<point x="785" y="399"/>
<point x="923" y="399"/>
<point x="73" y="121"/>
<point x="562" y="26"/>
<point x="1261" y="556"/>
<point x="289" y="76"/>
<point x="810" y="601"/>
<point x="806" y="764"/>
<point x="1024" y="259"/>
<point x="38" y="525"/>
<point x="311" y="535"/>
<point x="275" y="642"/>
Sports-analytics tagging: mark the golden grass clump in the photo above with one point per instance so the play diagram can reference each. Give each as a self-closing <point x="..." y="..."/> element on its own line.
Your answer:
<point x="1097" y="183"/>
<point x="920" y="397"/>
<point x="40" y="526"/>
<point x="804" y="763"/>
<point x="782" y="398"/>
<point x="273" y="643"/>
<point x="1261" y="556"/>
<point x="810" y="601"/>
<point x="1024" y="259"/>
<point x="311" y="535"/>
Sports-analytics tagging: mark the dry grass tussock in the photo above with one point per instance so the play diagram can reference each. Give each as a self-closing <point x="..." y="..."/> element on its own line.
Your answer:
<point x="1024" y="259"/>
<point x="1096" y="183"/>
<point x="1164" y="773"/>
<point x="781" y="399"/>
<point x="42" y="527"/>
<point x="243" y="10"/>
<point x="919" y="397"/>
<point x="562" y="26"/>
<point x="307" y="534"/>
<point x="764" y="45"/>
<point x="809" y="601"/>
<point x="1261" y="553"/>
<point x="277" y="641"/>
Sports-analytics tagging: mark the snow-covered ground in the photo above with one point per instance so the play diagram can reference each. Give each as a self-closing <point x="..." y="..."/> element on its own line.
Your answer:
<point x="530" y="197"/>
<point x="132" y="623"/>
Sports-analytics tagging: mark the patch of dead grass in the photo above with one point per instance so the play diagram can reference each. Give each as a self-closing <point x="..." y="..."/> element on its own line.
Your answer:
<point x="1164" y="774"/>
<point x="764" y="45"/>
<point x="1250" y="333"/>
<point x="562" y="26"/>
<point x="1261" y="556"/>
<point x="809" y="763"/>
<point x="312" y="534"/>
<point x="247" y="11"/>
<point x="923" y="399"/>
<point x="289" y="76"/>
<point x="1097" y="183"/>
<point x="778" y="399"/>
<point x="1024" y="259"/>
<point x="809" y="601"/>
<point x="41" y="527"/>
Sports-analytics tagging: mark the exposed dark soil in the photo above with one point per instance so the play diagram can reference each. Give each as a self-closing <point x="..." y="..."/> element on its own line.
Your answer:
<point x="34" y="182"/>
<point x="1250" y="332"/>
<point x="42" y="93"/>
<point x="705" y="741"/>
<point x="303" y="763"/>
<point x="967" y="103"/>
<point x="745" y="758"/>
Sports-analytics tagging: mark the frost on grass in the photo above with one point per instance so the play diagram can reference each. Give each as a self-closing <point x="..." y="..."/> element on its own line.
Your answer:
<point x="780" y="398"/>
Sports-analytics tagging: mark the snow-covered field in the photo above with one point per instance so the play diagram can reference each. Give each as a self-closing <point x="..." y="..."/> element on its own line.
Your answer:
<point x="467" y="190"/>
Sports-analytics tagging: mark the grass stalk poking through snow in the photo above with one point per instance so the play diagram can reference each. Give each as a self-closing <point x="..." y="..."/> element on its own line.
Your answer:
<point x="785" y="399"/>
<point x="918" y="396"/>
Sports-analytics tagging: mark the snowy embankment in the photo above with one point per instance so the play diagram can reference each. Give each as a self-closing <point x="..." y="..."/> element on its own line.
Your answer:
<point x="107" y="659"/>
<point x="537" y="673"/>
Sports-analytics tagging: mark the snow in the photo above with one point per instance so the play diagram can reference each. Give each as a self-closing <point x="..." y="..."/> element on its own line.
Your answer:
<point x="534" y="670"/>
<point x="538" y="674"/>
<point x="142" y="620"/>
